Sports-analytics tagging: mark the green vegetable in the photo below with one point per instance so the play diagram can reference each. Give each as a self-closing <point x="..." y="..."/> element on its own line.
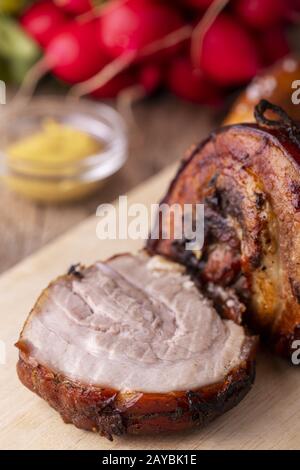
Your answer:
<point x="4" y="73"/>
<point x="18" y="52"/>
<point x="12" y="6"/>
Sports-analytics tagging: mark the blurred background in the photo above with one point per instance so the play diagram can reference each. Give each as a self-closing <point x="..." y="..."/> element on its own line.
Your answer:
<point x="100" y="95"/>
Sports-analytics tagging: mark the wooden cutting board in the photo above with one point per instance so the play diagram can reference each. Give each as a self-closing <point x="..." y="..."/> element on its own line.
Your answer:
<point x="269" y="417"/>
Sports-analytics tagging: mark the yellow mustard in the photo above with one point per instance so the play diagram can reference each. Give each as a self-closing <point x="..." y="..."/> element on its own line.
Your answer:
<point x="46" y="166"/>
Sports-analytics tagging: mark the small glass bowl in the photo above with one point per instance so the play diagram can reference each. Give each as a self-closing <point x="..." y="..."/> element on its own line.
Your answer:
<point x="63" y="182"/>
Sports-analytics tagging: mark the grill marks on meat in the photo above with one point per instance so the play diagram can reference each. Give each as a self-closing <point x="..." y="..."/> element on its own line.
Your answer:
<point x="246" y="176"/>
<point x="124" y="347"/>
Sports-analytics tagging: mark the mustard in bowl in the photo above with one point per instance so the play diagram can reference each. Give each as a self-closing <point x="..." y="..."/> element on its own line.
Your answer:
<point x="56" y="150"/>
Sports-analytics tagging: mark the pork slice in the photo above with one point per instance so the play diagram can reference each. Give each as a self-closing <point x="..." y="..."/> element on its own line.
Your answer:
<point x="134" y="326"/>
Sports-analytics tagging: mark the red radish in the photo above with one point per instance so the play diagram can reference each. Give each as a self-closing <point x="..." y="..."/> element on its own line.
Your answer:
<point x="131" y="31"/>
<point x="293" y="11"/>
<point x="75" y="7"/>
<point x="128" y="26"/>
<point x="150" y="77"/>
<point x="228" y="54"/>
<point x="274" y="44"/>
<point x="294" y="5"/>
<point x="261" y="14"/>
<point x="73" y="55"/>
<point x="42" y="20"/>
<point x="116" y="85"/>
<point x="200" y="4"/>
<point x="190" y="84"/>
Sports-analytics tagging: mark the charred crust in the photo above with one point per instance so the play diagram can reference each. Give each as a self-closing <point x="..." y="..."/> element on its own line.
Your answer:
<point x="295" y="286"/>
<point x="260" y="199"/>
<point x="105" y="411"/>
<point x="185" y="257"/>
<point x="283" y="123"/>
<point x="213" y="181"/>
<point x="232" y="391"/>
<point x="109" y="419"/>
<point x="255" y="260"/>
<point x="295" y="193"/>
<point x="110" y="423"/>
<point x="76" y="270"/>
<point x="226" y="302"/>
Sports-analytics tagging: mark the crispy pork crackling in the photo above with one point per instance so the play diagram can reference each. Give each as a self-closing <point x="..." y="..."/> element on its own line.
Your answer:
<point x="248" y="177"/>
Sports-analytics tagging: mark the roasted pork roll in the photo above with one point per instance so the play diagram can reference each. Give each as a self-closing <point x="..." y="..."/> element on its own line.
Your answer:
<point x="248" y="178"/>
<point x="132" y="346"/>
<point x="276" y="84"/>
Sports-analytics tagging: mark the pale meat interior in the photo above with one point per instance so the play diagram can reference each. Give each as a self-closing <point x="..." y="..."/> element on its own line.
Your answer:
<point x="133" y="323"/>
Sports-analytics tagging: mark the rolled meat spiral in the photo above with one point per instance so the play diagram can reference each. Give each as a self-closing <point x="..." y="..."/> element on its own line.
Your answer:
<point x="132" y="346"/>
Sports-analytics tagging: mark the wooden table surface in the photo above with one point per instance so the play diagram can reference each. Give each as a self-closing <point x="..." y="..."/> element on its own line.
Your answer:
<point x="165" y="127"/>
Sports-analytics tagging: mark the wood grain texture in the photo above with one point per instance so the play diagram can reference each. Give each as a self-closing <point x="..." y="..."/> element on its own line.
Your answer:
<point x="164" y="128"/>
<point x="268" y="418"/>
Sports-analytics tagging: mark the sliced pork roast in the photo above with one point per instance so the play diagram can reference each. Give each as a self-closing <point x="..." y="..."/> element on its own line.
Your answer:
<point x="132" y="345"/>
<point x="248" y="177"/>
